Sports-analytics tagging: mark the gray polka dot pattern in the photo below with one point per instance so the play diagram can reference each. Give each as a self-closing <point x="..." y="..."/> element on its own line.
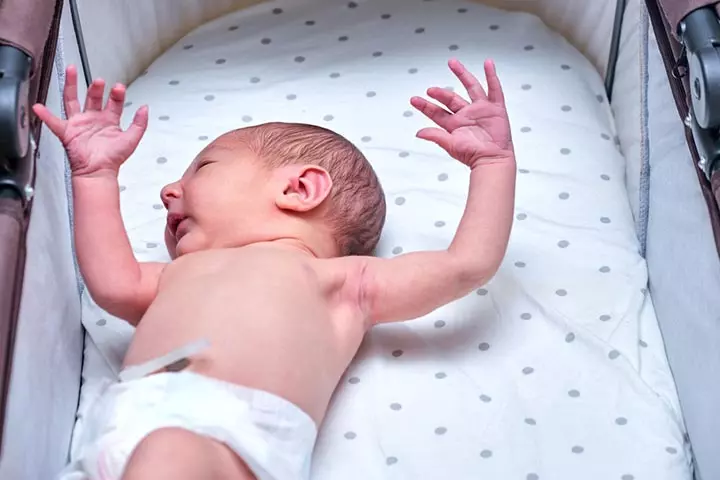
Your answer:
<point x="365" y="139"/>
<point x="220" y="61"/>
<point x="255" y="80"/>
<point x="350" y="435"/>
<point x="528" y="48"/>
<point x="604" y="220"/>
<point x="574" y="393"/>
<point x="391" y="460"/>
<point x="407" y="113"/>
<point x="151" y="245"/>
<point x="642" y="343"/>
<point x="174" y="82"/>
<point x="299" y="59"/>
<point x="343" y="38"/>
<point x="453" y="48"/>
<point x="277" y="11"/>
<point x="439" y="323"/>
<point x="605" y="318"/>
<point x="613" y="354"/>
<point x="570" y="337"/>
<point x="525" y="129"/>
<point x="397" y="250"/>
<point x="412" y="70"/>
<point x="439" y="223"/>
<point x="604" y="269"/>
<point x="482" y="291"/>
<point x="671" y="450"/>
<point x="528" y="370"/>
<point x="440" y="431"/>
<point x="485" y="399"/>
<point x="123" y="188"/>
<point x="532" y="476"/>
<point x="246" y="118"/>
<point x="353" y="380"/>
<point x="486" y="453"/>
<point x="627" y="476"/>
<point x="440" y="375"/>
<point x="209" y="98"/>
<point x="530" y="421"/>
<point x="420" y="30"/>
<point x="395" y="406"/>
<point x="563" y="244"/>
<point x="310" y="23"/>
<point x="566" y="108"/>
<point x="385" y="16"/>
<point x="161" y="160"/>
<point x="520" y="264"/>
<point x="526" y="86"/>
<point x="334" y="75"/>
<point x="605" y="177"/>
<point x="484" y="347"/>
<point x="605" y="136"/>
<point x="621" y="421"/>
<point x="291" y="96"/>
<point x="403" y="154"/>
<point x="400" y="201"/>
<point x="328" y="118"/>
<point x="266" y="41"/>
<point x="561" y="292"/>
<point x="187" y="47"/>
<point x="397" y="353"/>
<point x="526" y="316"/>
<point x="494" y="27"/>
<point x="164" y="118"/>
<point x="524" y="170"/>
<point x="377" y="54"/>
<point x="578" y="449"/>
<point x="158" y="206"/>
<point x="101" y="322"/>
<point x="565" y="67"/>
<point x="127" y="104"/>
<point x="521" y="216"/>
<point x="565" y="151"/>
<point x="442" y="177"/>
<point x="563" y="195"/>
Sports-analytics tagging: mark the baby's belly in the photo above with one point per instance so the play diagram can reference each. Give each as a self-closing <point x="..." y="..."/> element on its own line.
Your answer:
<point x="281" y="340"/>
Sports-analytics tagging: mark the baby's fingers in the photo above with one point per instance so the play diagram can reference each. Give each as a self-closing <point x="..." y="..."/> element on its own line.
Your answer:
<point x="116" y="99"/>
<point x="451" y="100"/>
<point x="436" y="135"/>
<point x="56" y="125"/>
<point x="137" y="128"/>
<point x="471" y="84"/>
<point x="495" y="93"/>
<point x="70" y="96"/>
<point x="94" y="98"/>
<point x="435" y="113"/>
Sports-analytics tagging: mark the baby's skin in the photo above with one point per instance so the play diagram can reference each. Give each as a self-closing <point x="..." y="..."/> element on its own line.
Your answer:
<point x="281" y="311"/>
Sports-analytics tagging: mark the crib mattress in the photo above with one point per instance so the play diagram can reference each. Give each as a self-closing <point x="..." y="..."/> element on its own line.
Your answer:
<point x="553" y="370"/>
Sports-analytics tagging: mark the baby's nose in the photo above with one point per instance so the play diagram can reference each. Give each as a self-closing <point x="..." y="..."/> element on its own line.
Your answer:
<point x="171" y="191"/>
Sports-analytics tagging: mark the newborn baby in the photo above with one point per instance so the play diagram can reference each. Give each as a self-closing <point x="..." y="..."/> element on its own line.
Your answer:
<point x="243" y="337"/>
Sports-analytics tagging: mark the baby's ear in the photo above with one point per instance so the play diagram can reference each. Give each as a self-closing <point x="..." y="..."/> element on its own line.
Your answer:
<point x="306" y="187"/>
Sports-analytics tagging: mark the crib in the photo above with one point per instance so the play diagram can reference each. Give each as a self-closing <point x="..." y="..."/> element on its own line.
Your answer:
<point x="591" y="354"/>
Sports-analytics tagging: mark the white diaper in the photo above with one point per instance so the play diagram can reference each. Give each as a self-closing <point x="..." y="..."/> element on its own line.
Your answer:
<point x="274" y="437"/>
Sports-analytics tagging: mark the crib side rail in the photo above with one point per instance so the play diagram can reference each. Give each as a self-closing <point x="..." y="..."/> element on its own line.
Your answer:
<point x="28" y="35"/>
<point x="688" y="37"/>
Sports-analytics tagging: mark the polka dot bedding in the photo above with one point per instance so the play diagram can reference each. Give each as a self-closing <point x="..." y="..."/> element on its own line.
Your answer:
<point x="553" y="370"/>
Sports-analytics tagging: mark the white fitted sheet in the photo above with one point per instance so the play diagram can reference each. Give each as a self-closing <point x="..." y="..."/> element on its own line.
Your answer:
<point x="556" y="368"/>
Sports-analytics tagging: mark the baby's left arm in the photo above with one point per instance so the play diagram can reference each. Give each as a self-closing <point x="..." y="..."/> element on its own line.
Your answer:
<point x="476" y="133"/>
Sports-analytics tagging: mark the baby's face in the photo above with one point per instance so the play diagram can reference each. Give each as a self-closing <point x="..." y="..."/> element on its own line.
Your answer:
<point x="220" y="201"/>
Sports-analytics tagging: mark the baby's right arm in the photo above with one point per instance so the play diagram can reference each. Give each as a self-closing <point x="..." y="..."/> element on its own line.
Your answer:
<point x="96" y="147"/>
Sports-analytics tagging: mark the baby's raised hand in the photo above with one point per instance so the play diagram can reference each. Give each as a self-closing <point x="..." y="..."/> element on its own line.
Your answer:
<point x="92" y="137"/>
<point x="475" y="132"/>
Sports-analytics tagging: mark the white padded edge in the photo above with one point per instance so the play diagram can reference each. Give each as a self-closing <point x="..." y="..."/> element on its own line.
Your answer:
<point x="124" y="36"/>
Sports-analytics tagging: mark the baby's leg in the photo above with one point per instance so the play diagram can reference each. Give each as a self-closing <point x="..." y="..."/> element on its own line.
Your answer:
<point x="177" y="454"/>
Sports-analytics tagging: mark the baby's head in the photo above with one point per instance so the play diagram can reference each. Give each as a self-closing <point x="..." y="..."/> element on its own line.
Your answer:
<point x="277" y="181"/>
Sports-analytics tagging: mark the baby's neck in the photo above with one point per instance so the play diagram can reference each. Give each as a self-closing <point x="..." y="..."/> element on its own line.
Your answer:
<point x="295" y="245"/>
